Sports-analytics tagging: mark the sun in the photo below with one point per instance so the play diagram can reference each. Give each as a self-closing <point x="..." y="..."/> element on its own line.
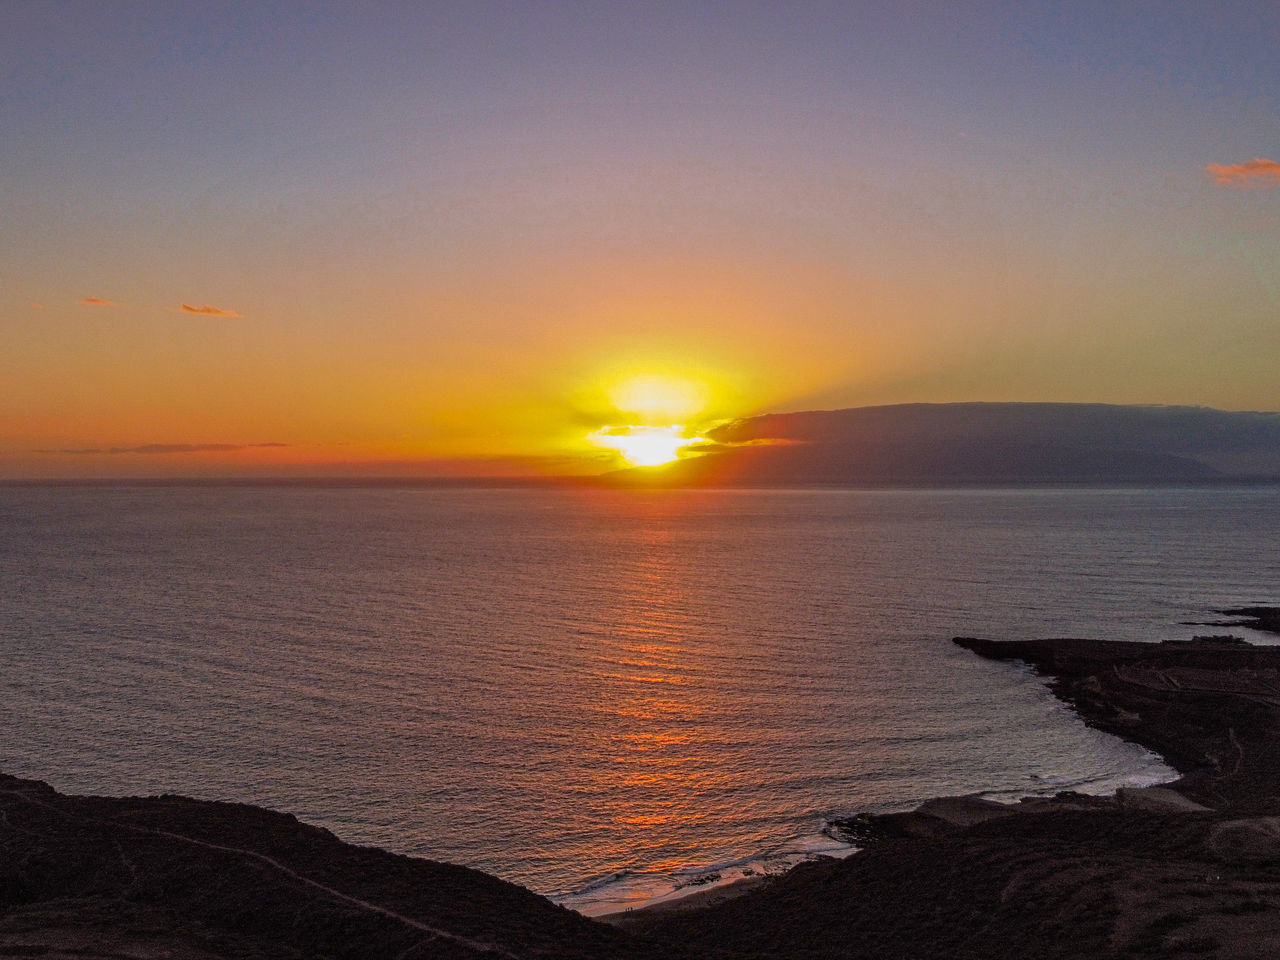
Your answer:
<point x="650" y="418"/>
<point x="645" y="446"/>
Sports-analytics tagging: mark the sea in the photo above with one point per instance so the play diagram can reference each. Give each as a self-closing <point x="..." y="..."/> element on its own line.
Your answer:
<point x="609" y="696"/>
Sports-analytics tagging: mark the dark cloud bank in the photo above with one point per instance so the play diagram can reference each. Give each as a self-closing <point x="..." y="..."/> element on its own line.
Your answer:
<point x="985" y="443"/>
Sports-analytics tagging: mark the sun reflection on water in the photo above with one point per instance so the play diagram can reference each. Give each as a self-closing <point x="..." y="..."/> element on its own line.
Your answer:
<point x="657" y="762"/>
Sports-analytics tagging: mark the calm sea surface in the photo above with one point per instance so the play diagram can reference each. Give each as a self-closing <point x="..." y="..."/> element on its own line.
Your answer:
<point x="599" y="694"/>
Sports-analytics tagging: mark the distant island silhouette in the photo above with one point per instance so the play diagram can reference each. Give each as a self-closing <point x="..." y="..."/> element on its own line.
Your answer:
<point x="971" y="443"/>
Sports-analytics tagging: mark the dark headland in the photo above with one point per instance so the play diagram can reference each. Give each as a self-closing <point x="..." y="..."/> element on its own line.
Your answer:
<point x="1189" y="869"/>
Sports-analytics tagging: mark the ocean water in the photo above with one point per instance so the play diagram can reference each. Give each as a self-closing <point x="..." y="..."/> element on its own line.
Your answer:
<point x="602" y="695"/>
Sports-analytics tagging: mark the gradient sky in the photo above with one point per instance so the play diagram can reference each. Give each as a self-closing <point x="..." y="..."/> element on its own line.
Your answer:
<point x="248" y="238"/>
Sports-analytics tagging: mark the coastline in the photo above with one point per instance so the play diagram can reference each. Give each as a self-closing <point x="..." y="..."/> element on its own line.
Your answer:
<point x="1189" y="868"/>
<point x="615" y="899"/>
<point x="841" y="837"/>
<point x="631" y="893"/>
<point x="700" y="899"/>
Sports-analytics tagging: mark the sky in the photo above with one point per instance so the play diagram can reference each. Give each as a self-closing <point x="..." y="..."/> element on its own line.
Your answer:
<point x="492" y="238"/>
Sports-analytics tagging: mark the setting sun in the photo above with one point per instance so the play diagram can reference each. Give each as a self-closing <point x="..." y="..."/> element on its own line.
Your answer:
<point x="649" y="418"/>
<point x="645" y="446"/>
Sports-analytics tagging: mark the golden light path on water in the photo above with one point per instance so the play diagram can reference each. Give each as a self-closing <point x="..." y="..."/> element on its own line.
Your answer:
<point x="656" y="698"/>
<point x="668" y="734"/>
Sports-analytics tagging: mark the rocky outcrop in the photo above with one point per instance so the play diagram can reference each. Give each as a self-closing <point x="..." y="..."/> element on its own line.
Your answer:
<point x="1210" y="706"/>
<point x="1256" y="618"/>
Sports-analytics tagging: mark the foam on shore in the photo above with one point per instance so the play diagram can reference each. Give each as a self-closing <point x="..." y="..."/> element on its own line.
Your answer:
<point x="637" y="890"/>
<point x="633" y="890"/>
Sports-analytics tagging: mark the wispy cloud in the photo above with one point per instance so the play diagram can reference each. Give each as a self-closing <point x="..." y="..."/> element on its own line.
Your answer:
<point x="98" y="302"/>
<point x="162" y="448"/>
<point x="35" y="304"/>
<point x="1258" y="172"/>
<point x="208" y="310"/>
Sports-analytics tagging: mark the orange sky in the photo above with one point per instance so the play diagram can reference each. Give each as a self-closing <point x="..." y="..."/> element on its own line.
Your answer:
<point x="396" y="244"/>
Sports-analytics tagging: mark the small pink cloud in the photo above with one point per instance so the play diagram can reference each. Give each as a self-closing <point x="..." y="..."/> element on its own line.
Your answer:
<point x="208" y="310"/>
<point x="1258" y="172"/>
<point x="35" y="305"/>
<point x="98" y="302"/>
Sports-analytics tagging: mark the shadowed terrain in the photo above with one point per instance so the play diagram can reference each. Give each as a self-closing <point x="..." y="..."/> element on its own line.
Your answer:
<point x="173" y="877"/>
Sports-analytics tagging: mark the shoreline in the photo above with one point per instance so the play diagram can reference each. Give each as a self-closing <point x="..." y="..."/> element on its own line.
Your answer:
<point x="697" y="900"/>
<point x="843" y="831"/>
<point x="1186" y="868"/>
<point x="847" y="829"/>
<point x="633" y="892"/>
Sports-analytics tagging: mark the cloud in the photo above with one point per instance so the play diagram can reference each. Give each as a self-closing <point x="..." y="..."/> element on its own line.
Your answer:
<point x="98" y="302"/>
<point x="162" y="448"/>
<point x="208" y="310"/>
<point x="35" y="305"/>
<point x="1258" y="172"/>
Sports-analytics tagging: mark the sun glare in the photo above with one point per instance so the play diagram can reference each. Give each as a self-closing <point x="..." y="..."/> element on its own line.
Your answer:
<point x="651" y="419"/>
<point x="659" y="398"/>
<point x="645" y="446"/>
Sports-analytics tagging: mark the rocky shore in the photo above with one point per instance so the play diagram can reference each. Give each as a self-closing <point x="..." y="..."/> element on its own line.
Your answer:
<point x="1185" y="870"/>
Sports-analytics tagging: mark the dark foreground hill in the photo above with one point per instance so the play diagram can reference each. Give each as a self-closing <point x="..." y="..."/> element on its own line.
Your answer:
<point x="171" y="877"/>
<point x="983" y="443"/>
<point x="1187" y="870"/>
